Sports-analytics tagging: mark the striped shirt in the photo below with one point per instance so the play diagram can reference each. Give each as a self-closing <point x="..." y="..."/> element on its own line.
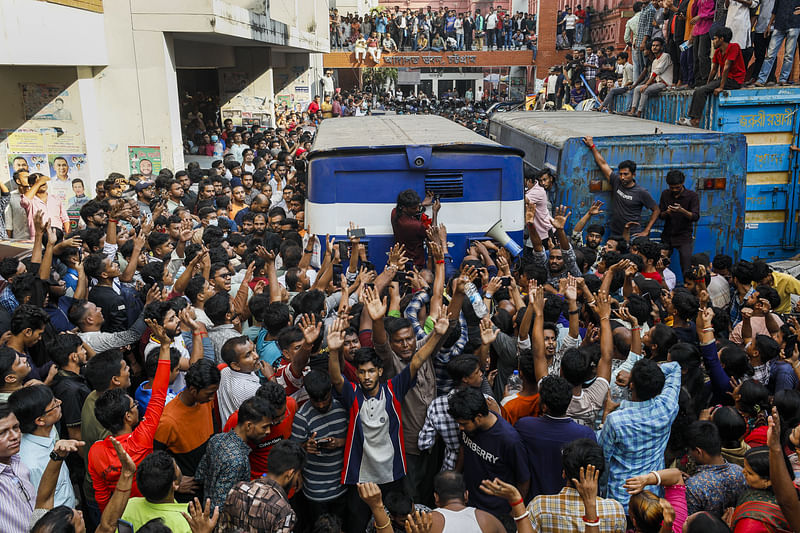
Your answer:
<point x="18" y="496"/>
<point x="323" y="471"/>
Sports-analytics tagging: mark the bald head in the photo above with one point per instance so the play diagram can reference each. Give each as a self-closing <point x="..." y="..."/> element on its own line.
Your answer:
<point x="260" y="203"/>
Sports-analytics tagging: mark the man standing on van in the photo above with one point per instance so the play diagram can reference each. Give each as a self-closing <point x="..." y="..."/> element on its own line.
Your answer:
<point x="627" y="196"/>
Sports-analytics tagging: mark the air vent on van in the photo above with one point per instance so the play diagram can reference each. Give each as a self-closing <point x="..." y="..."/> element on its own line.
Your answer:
<point x="445" y="184"/>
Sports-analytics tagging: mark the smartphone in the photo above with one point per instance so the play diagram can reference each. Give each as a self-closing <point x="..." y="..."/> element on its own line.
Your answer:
<point x="506" y="281"/>
<point x="123" y="526"/>
<point x="343" y="250"/>
<point x="325" y="441"/>
<point x="356" y="233"/>
<point x="791" y="341"/>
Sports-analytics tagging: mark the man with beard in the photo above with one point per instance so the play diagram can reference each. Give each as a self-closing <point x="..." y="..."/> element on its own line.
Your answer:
<point x="594" y="232"/>
<point x="145" y="190"/>
<point x="226" y="459"/>
<point x="628" y="196"/>
<point x="175" y="195"/>
<point x="163" y="314"/>
<point x="260" y="204"/>
<point x="561" y="262"/>
<point x="374" y="436"/>
<point x="117" y="412"/>
<point x="104" y="295"/>
<point x="320" y="425"/>
<point x="69" y="355"/>
<point x="269" y="493"/>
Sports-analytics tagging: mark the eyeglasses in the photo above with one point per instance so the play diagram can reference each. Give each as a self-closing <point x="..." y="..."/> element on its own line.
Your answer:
<point x="56" y="406"/>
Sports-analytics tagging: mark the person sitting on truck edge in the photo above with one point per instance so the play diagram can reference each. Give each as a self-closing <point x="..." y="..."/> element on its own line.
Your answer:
<point x="680" y="208"/>
<point x="659" y="79"/>
<point x="628" y="197"/>
<point x="409" y="224"/>
<point x="727" y="72"/>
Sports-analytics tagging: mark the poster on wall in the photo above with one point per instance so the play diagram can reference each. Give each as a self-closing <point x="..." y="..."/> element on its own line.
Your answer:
<point x="30" y="162"/>
<point x="234" y="114"/>
<point x="64" y="168"/>
<point x="46" y="101"/>
<point x="234" y="82"/>
<point x="145" y="160"/>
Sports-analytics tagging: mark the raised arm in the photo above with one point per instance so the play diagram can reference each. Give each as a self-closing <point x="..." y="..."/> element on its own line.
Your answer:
<point x="47" y="259"/>
<point x="603" y="309"/>
<point x="335" y="343"/>
<point x="438" y="274"/>
<point x="536" y="303"/>
<point x="119" y="499"/>
<point x="598" y="158"/>
<point x="782" y="484"/>
<point x="376" y="307"/>
<point x="595" y="209"/>
<point x="440" y="327"/>
<point x="130" y="269"/>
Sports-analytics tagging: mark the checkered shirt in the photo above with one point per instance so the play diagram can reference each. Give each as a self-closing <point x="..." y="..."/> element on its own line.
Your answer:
<point x="635" y="436"/>
<point x="563" y="513"/>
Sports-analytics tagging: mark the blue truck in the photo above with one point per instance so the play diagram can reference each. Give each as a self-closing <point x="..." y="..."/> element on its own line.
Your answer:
<point x="358" y="165"/>
<point x="714" y="164"/>
<point x="768" y="119"/>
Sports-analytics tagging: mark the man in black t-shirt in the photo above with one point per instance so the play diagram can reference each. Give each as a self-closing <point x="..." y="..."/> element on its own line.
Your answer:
<point x="627" y="197"/>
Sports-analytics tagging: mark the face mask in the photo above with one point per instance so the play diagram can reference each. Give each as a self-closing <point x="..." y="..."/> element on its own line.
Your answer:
<point x="213" y="222"/>
<point x="214" y="138"/>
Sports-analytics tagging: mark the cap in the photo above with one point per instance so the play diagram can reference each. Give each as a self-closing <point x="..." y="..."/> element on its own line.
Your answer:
<point x="143" y="185"/>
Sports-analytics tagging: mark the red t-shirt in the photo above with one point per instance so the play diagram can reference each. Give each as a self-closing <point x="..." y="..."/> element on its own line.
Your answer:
<point x="732" y="53"/>
<point x="260" y="451"/>
<point x="104" y="465"/>
<point x="654" y="276"/>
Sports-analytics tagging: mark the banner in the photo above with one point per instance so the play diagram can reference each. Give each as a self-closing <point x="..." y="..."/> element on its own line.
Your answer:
<point x="144" y="160"/>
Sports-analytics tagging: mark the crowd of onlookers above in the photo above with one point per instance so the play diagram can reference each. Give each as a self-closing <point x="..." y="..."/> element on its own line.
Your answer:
<point x="432" y="29"/>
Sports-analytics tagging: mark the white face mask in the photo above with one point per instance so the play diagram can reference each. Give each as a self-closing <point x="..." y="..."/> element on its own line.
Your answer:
<point x="213" y="222"/>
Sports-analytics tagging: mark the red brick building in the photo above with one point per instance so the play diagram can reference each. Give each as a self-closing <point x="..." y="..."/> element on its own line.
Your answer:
<point x="607" y="23"/>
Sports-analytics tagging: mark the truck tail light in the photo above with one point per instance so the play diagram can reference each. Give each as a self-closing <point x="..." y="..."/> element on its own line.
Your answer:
<point x="713" y="184"/>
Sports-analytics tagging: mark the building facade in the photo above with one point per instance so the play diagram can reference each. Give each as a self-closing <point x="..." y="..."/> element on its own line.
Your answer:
<point x="110" y="86"/>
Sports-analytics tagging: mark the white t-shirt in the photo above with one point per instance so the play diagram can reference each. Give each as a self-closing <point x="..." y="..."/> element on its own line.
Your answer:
<point x="569" y="21"/>
<point x="491" y="22"/>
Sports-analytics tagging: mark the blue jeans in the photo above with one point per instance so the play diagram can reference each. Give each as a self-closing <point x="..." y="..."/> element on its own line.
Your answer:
<point x="778" y="36"/>
<point x="578" y="33"/>
<point x="460" y="40"/>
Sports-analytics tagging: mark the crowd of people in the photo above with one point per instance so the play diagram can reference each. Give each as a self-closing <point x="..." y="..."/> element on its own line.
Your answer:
<point x="192" y="358"/>
<point x="432" y="29"/>
<point x="693" y="44"/>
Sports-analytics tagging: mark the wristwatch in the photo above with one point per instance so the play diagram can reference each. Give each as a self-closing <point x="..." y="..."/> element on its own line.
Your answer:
<point x="55" y="457"/>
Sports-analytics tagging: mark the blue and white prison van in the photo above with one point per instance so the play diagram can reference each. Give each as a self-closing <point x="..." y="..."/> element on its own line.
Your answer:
<point x="358" y="166"/>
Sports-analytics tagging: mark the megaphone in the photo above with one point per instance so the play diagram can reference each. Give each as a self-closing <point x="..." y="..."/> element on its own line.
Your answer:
<point x="498" y="233"/>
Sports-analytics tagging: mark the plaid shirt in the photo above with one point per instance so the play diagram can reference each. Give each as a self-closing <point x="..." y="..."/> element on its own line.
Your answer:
<point x="225" y="462"/>
<point x="635" y="436"/>
<point x="444" y="383"/>
<point x="7" y="299"/>
<point x="590" y="67"/>
<point x="563" y="513"/>
<point x="439" y="421"/>
<point x="256" y="506"/>
<point x="645" y="29"/>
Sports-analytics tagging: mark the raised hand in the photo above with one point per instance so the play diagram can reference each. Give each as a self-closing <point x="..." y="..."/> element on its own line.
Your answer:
<point x="442" y="323"/>
<point x="602" y="305"/>
<point x="311" y="328"/>
<point x="588" y="141"/>
<point x="200" y="518"/>
<point x="625" y="314"/>
<point x="586" y="484"/>
<point x="186" y="231"/>
<point x="265" y="254"/>
<point x="636" y="484"/>
<point x="336" y="335"/>
<point x="127" y="464"/>
<point x="501" y="489"/>
<point x="419" y="522"/>
<point x="488" y="332"/>
<point x="375" y="306"/>
<point x="536" y="297"/>
<point x="571" y="289"/>
<point x="158" y="331"/>
<point x="596" y="208"/>
<point x="560" y="217"/>
<point x="370" y="493"/>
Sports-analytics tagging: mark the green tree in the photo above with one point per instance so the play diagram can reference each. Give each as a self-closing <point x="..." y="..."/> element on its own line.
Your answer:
<point x="377" y="77"/>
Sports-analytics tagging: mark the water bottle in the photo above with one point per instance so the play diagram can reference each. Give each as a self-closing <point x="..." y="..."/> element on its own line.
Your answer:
<point x="475" y="299"/>
<point x="514" y="383"/>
